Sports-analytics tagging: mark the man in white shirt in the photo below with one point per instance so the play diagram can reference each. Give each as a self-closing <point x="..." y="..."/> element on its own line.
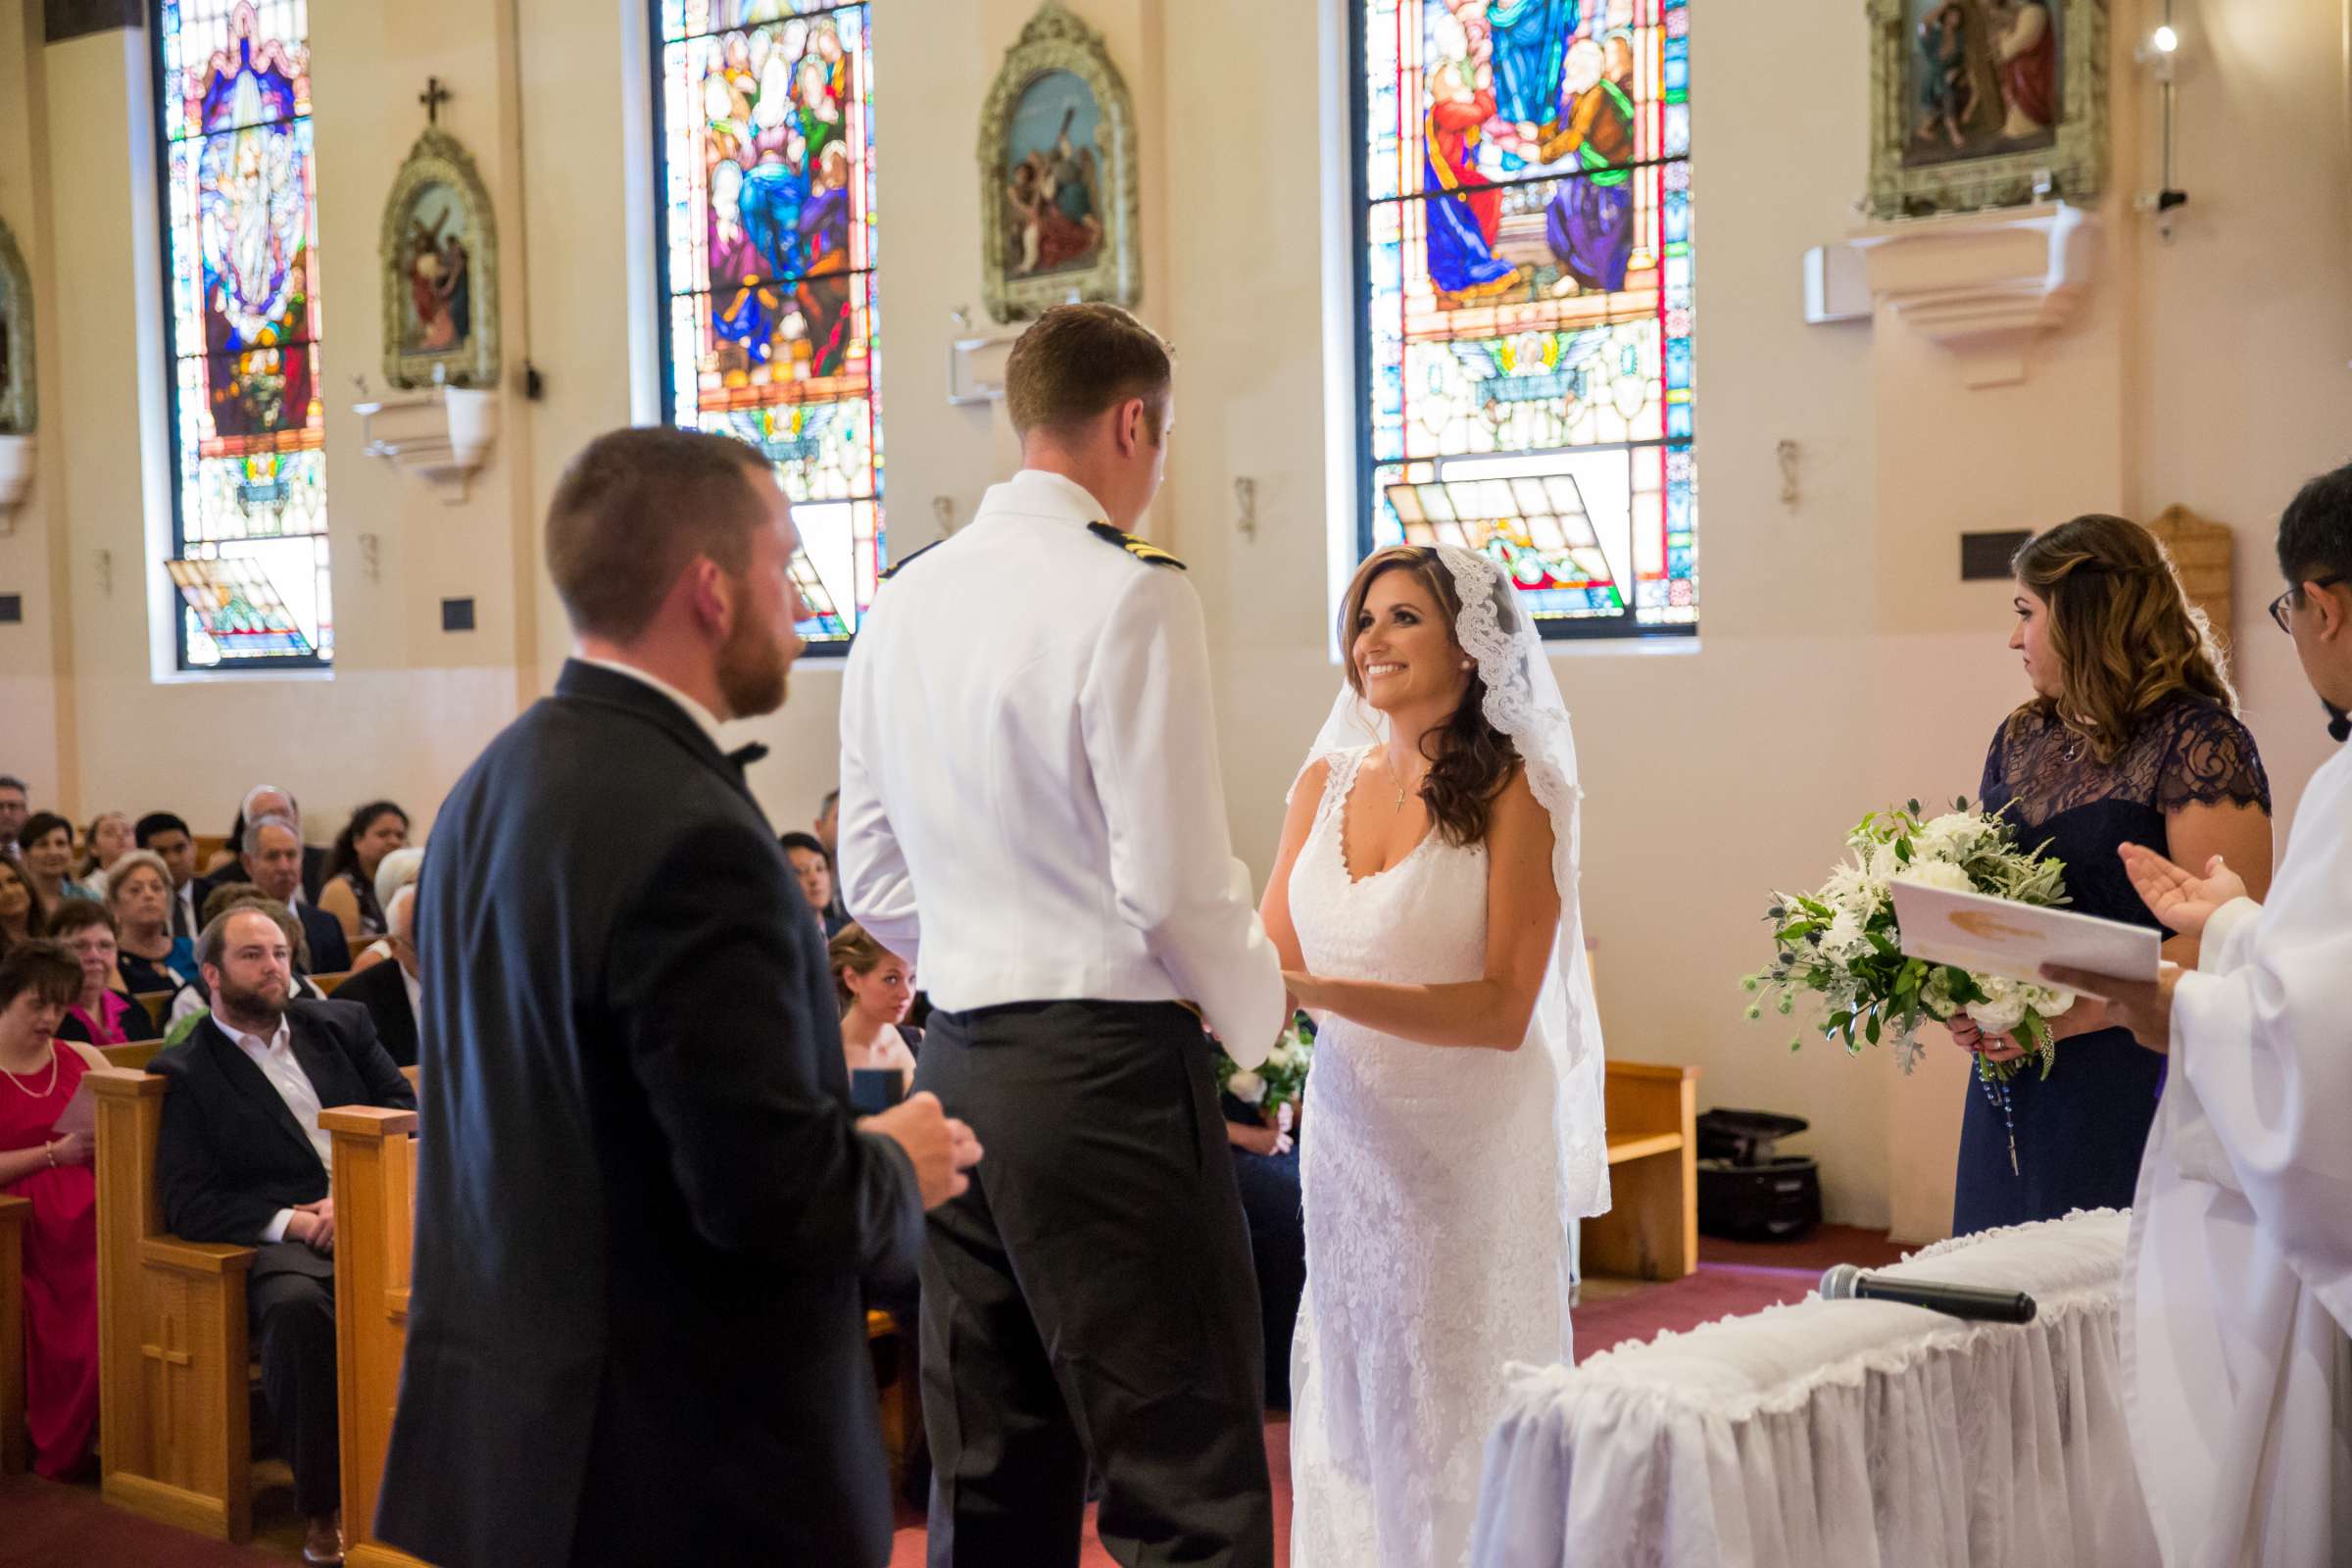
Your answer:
<point x="1030" y="800"/>
<point x="241" y="1158"/>
<point x="2237" y="1366"/>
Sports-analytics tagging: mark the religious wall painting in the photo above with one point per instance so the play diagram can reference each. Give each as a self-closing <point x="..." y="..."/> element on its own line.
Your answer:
<point x="17" y="405"/>
<point x="1979" y="103"/>
<point x="1528" y="298"/>
<point x="1058" y="172"/>
<point x="438" y="249"/>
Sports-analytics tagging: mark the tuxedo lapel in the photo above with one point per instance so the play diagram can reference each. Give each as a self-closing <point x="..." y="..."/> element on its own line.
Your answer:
<point x="247" y="1077"/>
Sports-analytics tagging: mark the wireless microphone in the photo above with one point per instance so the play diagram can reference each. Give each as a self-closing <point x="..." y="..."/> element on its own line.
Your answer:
<point x="1846" y="1282"/>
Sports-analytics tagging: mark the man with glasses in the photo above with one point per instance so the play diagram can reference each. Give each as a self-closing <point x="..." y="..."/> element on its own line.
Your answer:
<point x="2239" y="1284"/>
<point x="392" y="993"/>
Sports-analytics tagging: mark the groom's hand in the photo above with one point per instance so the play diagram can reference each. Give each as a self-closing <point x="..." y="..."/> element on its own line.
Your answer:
<point x="2184" y="903"/>
<point x="941" y="1148"/>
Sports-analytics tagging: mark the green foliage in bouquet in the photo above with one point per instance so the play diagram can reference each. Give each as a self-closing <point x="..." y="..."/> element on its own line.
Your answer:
<point x="1281" y="1079"/>
<point x="1841" y="944"/>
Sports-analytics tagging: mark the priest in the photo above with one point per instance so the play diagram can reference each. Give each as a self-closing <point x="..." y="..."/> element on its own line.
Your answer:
<point x="2238" y="1284"/>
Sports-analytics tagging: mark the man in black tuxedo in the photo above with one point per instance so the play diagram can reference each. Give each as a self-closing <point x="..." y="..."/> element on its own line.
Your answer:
<point x="389" y="990"/>
<point x="644" y="1204"/>
<point x="240" y="1159"/>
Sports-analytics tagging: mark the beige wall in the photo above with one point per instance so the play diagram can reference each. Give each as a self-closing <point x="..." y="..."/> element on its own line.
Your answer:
<point x="1840" y="664"/>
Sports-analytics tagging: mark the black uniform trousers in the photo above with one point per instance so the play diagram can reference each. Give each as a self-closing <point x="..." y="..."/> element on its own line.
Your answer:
<point x="1091" y="1297"/>
<point x="290" y="1306"/>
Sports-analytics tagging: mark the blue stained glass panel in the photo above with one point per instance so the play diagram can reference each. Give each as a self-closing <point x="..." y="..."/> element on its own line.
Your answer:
<point x="1526" y="298"/>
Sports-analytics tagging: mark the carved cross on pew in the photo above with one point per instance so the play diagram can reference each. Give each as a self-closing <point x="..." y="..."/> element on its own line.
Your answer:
<point x="165" y="1357"/>
<point x="434" y="97"/>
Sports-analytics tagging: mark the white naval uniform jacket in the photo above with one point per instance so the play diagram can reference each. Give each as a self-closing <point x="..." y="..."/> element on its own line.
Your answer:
<point x="1029" y="786"/>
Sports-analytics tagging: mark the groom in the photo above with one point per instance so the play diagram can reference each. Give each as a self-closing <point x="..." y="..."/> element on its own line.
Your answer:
<point x="1029" y="796"/>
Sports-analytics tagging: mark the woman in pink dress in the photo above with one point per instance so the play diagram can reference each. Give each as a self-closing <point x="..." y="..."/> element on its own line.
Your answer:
<point x="37" y="979"/>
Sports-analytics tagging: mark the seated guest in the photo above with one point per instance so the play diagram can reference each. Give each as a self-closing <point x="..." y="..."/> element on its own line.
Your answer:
<point x="272" y="856"/>
<point x="47" y="844"/>
<point x="267" y="800"/>
<point x="396" y="871"/>
<point x="827" y="829"/>
<point x="139" y="893"/>
<point x="348" y="894"/>
<point x="191" y="1002"/>
<point x="263" y="1067"/>
<point x="21" y="916"/>
<point x="875" y="989"/>
<point x="390" y="992"/>
<point x="169" y="837"/>
<point x="1265" y="1166"/>
<point x="103" y="1013"/>
<point x="814" y="869"/>
<point x="108" y="840"/>
<point x="16" y="805"/>
<point x="37" y="979"/>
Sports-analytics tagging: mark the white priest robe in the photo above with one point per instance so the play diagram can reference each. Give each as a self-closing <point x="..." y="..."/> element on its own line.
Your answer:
<point x="2238" y="1281"/>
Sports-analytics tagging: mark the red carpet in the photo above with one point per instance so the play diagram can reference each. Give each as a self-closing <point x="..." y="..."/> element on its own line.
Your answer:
<point x="43" y="1525"/>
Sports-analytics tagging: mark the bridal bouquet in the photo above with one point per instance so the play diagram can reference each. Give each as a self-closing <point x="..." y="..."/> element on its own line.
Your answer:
<point x="1280" y="1080"/>
<point x="1842" y="944"/>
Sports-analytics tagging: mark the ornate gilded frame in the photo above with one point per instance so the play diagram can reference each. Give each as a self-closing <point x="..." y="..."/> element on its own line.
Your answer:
<point x="439" y="159"/>
<point x="1056" y="40"/>
<point x="19" y="410"/>
<point x="2075" y="166"/>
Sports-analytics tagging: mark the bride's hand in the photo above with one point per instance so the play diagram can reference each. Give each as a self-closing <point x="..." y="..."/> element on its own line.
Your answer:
<point x="1306" y="989"/>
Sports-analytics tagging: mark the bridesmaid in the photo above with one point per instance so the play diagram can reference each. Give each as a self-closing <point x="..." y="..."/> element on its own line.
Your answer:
<point x="2132" y="737"/>
<point x="37" y="979"/>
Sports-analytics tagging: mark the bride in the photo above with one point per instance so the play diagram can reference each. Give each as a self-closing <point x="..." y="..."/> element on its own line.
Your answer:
<point x="1424" y="901"/>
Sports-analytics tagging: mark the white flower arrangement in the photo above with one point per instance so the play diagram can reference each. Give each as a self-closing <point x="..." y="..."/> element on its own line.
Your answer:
<point x="1842" y="944"/>
<point x="1278" y="1081"/>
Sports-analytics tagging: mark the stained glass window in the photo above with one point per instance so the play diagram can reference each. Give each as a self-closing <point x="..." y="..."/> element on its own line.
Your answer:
<point x="232" y="78"/>
<point x="1524" y="189"/>
<point x="767" y="250"/>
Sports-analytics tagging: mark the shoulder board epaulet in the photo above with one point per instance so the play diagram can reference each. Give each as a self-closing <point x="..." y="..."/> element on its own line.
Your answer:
<point x="898" y="566"/>
<point x="1141" y="548"/>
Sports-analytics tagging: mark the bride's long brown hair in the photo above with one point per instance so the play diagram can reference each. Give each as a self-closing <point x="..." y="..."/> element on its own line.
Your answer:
<point x="1470" y="761"/>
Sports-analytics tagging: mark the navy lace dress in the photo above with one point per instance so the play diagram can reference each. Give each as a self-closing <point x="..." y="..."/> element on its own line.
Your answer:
<point x="2079" y="1131"/>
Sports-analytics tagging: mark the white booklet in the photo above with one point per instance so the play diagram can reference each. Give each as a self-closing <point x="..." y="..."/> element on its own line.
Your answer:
<point x="1995" y="935"/>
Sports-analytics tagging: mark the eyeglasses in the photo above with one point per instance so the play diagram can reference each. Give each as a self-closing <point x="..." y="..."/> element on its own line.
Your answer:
<point x="2280" y="605"/>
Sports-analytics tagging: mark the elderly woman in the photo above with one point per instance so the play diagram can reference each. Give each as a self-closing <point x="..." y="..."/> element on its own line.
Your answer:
<point x="46" y="843"/>
<point x="102" y="1014"/>
<point x="139" y="893"/>
<point x="37" y="981"/>
<point x="376" y="830"/>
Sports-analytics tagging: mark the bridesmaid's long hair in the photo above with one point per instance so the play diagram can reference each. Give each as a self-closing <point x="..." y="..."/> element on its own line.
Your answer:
<point x="2126" y="635"/>
<point x="1470" y="761"/>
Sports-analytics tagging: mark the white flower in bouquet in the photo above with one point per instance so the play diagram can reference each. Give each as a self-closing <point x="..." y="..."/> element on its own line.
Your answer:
<point x="1841" y="949"/>
<point x="1942" y="874"/>
<point x="1285" y="1054"/>
<point x="1247" y="1087"/>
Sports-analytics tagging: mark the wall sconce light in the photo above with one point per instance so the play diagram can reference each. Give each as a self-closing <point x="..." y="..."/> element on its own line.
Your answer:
<point x="2160" y="53"/>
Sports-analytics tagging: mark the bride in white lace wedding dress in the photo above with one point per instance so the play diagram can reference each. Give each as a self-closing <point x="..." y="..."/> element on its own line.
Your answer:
<point x="1425" y="902"/>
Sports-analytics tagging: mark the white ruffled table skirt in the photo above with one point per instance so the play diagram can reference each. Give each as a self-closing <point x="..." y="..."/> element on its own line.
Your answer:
<point x="1841" y="1433"/>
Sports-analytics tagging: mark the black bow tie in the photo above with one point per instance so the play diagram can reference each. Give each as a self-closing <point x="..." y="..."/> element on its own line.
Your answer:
<point x="744" y="757"/>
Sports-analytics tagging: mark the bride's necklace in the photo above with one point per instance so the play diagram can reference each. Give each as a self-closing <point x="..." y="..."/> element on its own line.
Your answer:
<point x="45" y="1093"/>
<point x="1401" y="790"/>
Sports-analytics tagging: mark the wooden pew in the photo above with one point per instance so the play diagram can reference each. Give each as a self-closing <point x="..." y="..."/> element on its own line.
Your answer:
<point x="15" y="1443"/>
<point x="135" y="1055"/>
<point x="1651" y="1229"/>
<point x="375" y="1165"/>
<point x="326" y="983"/>
<point x="157" y="1003"/>
<point x="174" y="1391"/>
<point x="891" y="1344"/>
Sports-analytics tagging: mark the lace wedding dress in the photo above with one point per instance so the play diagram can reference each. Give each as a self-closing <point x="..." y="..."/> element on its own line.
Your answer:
<point x="1434" y="1234"/>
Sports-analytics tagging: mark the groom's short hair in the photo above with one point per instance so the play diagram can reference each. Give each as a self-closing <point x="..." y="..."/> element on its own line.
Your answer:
<point x="2315" y="532"/>
<point x="634" y="509"/>
<point x="1077" y="362"/>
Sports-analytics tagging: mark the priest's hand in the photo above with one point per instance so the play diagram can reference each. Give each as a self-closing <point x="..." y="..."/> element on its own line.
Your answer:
<point x="2143" y="1007"/>
<point x="941" y="1148"/>
<point x="2184" y="903"/>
